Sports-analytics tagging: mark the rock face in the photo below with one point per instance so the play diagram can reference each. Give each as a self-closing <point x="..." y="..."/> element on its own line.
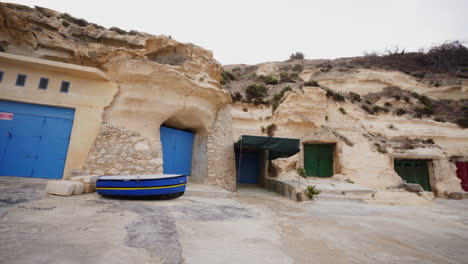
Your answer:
<point x="160" y="81"/>
<point x="365" y="143"/>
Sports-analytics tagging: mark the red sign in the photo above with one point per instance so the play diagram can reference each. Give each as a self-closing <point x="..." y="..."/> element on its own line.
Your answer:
<point x="6" y="116"/>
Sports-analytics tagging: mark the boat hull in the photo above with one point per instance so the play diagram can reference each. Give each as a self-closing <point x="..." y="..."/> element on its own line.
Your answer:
<point x="132" y="186"/>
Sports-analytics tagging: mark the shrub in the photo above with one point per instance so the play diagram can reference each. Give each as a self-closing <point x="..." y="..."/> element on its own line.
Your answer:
<point x="311" y="83"/>
<point x="271" y="129"/>
<point x="422" y="99"/>
<point x="388" y="104"/>
<point x="65" y="23"/>
<point x="286" y="77"/>
<point x="133" y="32"/>
<point x="227" y="77"/>
<point x="425" y="101"/>
<point x="268" y="79"/>
<point x="245" y="109"/>
<point x="367" y="109"/>
<point x="77" y="21"/>
<point x="376" y="108"/>
<point x="368" y="102"/>
<point x="342" y="110"/>
<point x="296" y="56"/>
<point x="278" y="96"/>
<point x="311" y="192"/>
<point x="400" y="111"/>
<point x="297" y="68"/>
<point x="397" y="97"/>
<point x="462" y="122"/>
<point x="118" y="30"/>
<point x="236" y="97"/>
<point x="355" y="97"/>
<point x="301" y="172"/>
<point x="335" y="95"/>
<point x="256" y="91"/>
<point x="407" y="99"/>
<point x="422" y="111"/>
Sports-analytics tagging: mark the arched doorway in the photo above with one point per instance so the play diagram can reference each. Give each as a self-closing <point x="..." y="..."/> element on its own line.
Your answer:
<point x="183" y="139"/>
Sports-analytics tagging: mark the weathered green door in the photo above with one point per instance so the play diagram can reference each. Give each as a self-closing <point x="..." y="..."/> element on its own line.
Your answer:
<point x="414" y="171"/>
<point x="318" y="160"/>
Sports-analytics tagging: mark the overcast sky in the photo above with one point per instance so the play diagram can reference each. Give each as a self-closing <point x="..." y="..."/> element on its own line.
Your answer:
<point x="254" y="31"/>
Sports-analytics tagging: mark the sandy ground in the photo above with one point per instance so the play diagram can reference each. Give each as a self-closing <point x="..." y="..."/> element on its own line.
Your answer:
<point x="258" y="227"/>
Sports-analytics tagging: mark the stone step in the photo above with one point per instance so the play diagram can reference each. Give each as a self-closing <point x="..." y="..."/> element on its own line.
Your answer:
<point x="332" y="197"/>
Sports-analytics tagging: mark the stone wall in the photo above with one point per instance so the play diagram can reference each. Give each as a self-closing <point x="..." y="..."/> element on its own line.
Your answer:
<point x="221" y="162"/>
<point x="120" y="151"/>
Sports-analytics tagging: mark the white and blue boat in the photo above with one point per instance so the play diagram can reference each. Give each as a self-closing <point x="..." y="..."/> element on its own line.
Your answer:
<point x="169" y="185"/>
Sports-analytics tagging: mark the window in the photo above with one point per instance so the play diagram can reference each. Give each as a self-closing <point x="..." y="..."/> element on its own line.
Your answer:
<point x="1" y="76"/>
<point x="20" y="80"/>
<point x="43" y="83"/>
<point x="65" y="87"/>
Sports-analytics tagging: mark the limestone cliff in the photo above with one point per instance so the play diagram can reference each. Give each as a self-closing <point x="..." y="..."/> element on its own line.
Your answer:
<point x="373" y="115"/>
<point x="160" y="80"/>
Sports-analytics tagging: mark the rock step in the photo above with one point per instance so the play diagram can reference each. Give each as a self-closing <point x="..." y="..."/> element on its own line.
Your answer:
<point x="332" y="197"/>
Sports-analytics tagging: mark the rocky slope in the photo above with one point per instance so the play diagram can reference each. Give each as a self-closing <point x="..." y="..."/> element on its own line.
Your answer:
<point x="373" y="115"/>
<point x="44" y="33"/>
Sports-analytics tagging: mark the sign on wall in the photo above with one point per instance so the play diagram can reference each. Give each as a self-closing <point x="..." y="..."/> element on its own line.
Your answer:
<point x="6" y="116"/>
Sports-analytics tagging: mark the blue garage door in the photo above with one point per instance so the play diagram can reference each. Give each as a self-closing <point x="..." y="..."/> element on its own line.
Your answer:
<point x="177" y="150"/>
<point x="34" y="139"/>
<point x="248" y="172"/>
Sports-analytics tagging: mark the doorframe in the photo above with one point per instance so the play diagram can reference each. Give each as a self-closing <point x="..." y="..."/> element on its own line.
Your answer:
<point x="337" y="168"/>
<point x="262" y="163"/>
<point x="430" y="169"/>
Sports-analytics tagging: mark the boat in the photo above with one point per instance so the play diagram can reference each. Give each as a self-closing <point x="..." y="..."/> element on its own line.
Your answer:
<point x="167" y="185"/>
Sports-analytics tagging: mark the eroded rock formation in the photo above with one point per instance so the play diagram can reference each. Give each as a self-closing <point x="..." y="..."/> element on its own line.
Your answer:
<point x="160" y="80"/>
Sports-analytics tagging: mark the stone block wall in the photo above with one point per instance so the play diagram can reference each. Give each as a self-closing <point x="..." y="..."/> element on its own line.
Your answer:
<point x="221" y="162"/>
<point x="120" y="151"/>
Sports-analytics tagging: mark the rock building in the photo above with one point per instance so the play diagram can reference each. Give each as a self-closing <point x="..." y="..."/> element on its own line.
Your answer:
<point x="121" y="89"/>
<point x="80" y="97"/>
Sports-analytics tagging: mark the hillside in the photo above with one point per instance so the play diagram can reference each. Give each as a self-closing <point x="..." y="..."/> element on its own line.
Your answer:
<point x="432" y="85"/>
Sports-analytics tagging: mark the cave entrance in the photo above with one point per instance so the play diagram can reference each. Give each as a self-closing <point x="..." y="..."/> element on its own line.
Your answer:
<point x="183" y="139"/>
<point x="414" y="171"/>
<point x="253" y="154"/>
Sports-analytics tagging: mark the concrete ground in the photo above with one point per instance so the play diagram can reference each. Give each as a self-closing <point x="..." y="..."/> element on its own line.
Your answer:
<point x="257" y="227"/>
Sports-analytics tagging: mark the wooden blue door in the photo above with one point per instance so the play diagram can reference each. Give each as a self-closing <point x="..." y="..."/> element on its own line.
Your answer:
<point x="249" y="167"/>
<point x="177" y="150"/>
<point x="34" y="141"/>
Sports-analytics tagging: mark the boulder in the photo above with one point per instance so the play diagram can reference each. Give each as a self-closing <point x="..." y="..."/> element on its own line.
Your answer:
<point x="62" y="188"/>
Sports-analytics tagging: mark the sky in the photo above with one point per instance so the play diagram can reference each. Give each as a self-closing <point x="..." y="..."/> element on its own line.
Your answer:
<point x="255" y="31"/>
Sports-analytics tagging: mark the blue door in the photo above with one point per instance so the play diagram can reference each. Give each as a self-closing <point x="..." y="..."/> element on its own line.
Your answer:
<point x="34" y="139"/>
<point x="177" y="150"/>
<point x="248" y="172"/>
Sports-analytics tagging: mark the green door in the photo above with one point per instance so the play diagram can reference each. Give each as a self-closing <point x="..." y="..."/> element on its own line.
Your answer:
<point x="414" y="171"/>
<point x="318" y="160"/>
